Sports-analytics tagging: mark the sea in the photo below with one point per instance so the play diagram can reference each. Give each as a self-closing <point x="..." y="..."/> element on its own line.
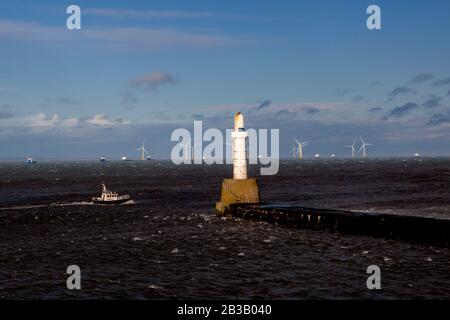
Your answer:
<point x="168" y="242"/>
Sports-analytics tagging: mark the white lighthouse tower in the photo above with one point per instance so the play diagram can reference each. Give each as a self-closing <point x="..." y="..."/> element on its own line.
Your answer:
<point x="240" y="189"/>
<point x="239" y="153"/>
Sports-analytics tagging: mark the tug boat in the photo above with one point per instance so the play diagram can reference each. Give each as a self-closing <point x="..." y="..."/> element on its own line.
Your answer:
<point x="109" y="197"/>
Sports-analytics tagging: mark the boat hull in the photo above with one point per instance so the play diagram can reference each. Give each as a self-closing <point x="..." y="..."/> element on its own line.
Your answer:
<point x="116" y="201"/>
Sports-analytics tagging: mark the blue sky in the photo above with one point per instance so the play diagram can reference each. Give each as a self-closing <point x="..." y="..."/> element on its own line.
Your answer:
<point x="137" y="70"/>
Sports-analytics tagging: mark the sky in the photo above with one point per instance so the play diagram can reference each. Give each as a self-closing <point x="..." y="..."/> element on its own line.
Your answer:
<point x="140" y="69"/>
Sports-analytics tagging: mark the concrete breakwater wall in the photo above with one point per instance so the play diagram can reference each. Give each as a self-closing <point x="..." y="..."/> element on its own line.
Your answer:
<point x="410" y="228"/>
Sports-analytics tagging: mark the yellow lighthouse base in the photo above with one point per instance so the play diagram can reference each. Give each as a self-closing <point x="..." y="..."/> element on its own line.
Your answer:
<point x="237" y="191"/>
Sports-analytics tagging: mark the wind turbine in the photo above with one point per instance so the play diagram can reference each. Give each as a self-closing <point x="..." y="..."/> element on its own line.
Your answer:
<point x="293" y="151"/>
<point x="353" y="148"/>
<point x="143" y="150"/>
<point x="300" y="146"/>
<point x="363" y="147"/>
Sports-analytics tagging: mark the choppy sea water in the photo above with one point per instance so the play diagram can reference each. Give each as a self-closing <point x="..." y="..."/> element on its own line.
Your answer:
<point x="168" y="243"/>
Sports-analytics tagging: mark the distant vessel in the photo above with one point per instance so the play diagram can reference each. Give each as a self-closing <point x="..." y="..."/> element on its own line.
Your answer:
<point x="30" y="160"/>
<point x="416" y="155"/>
<point x="317" y="155"/>
<point x="102" y="159"/>
<point x="333" y="156"/>
<point x="109" y="197"/>
<point x="124" y="159"/>
<point x="149" y="157"/>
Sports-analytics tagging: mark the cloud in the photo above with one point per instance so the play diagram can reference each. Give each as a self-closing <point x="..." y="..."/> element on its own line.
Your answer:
<point x="358" y="98"/>
<point x="5" y="112"/>
<point x="401" y="111"/>
<point x="168" y="14"/>
<point x="129" y="99"/>
<point x="104" y="121"/>
<point x="448" y="93"/>
<point x="375" y="109"/>
<point x="442" y="82"/>
<point x="374" y="83"/>
<point x="285" y="115"/>
<point x="340" y="93"/>
<point x="147" y="14"/>
<point x="401" y="91"/>
<point x="123" y="38"/>
<point x="42" y="121"/>
<point x="326" y="112"/>
<point x="151" y="81"/>
<point x="143" y="84"/>
<point x="310" y="110"/>
<point x="421" y="78"/>
<point x="439" y="118"/>
<point x="432" y="102"/>
<point x="264" y="104"/>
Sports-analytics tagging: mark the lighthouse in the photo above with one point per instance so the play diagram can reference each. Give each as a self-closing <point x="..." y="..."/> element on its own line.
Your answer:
<point x="240" y="189"/>
<point x="239" y="136"/>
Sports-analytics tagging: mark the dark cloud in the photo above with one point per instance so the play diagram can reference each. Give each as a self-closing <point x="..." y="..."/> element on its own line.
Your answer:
<point x="129" y="99"/>
<point x="151" y="81"/>
<point x="357" y="99"/>
<point x="442" y="82"/>
<point x="421" y="78"/>
<point x="310" y="110"/>
<point x="5" y="112"/>
<point x="376" y="109"/>
<point x="264" y="104"/>
<point x="439" y="118"/>
<point x="401" y="111"/>
<point x="162" y="116"/>
<point x="448" y="93"/>
<point x="340" y="92"/>
<point x="432" y="102"/>
<point x="374" y="83"/>
<point x="142" y="84"/>
<point x="285" y="115"/>
<point x="401" y="91"/>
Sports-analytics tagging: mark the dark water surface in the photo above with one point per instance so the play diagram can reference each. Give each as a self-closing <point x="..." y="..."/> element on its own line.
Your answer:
<point x="169" y="243"/>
